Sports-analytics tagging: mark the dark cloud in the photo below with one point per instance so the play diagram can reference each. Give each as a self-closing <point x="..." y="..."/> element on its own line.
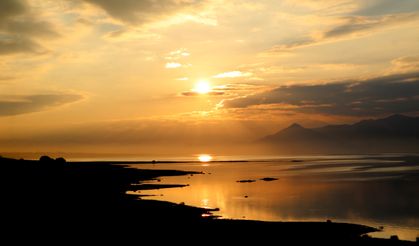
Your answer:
<point x="382" y="95"/>
<point x="10" y="8"/>
<point x="19" y="44"/>
<point x="381" y="7"/>
<point x="357" y="24"/>
<point x="16" y="105"/>
<point x="193" y="93"/>
<point x="30" y="27"/>
<point x="20" y="29"/>
<point x="141" y="11"/>
<point x="353" y="25"/>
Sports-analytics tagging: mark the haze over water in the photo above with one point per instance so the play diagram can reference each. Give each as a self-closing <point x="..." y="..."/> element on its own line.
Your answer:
<point x="373" y="190"/>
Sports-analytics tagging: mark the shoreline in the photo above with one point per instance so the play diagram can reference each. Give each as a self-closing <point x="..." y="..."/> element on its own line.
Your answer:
<point x="101" y="187"/>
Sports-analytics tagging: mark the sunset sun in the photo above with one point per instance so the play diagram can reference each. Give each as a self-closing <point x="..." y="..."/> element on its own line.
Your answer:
<point x="204" y="158"/>
<point x="202" y="87"/>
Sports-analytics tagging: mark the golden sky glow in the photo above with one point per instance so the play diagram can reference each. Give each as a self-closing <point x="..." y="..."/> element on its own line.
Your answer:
<point x="74" y="71"/>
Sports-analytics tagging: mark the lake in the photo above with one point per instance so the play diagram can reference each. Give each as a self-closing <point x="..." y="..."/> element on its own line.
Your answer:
<point x="375" y="190"/>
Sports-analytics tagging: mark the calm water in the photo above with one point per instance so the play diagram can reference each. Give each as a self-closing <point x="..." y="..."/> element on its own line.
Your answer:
<point x="372" y="190"/>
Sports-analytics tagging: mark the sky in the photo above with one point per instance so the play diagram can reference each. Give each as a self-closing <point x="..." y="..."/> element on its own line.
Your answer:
<point x="128" y="76"/>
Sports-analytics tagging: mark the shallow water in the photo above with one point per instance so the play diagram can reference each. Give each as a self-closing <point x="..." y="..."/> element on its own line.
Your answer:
<point x="372" y="190"/>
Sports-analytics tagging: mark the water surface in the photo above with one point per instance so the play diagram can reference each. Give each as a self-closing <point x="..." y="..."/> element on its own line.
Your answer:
<point x="373" y="190"/>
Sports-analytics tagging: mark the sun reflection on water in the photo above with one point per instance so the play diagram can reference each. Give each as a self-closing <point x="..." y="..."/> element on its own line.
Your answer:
<point x="204" y="158"/>
<point x="205" y="202"/>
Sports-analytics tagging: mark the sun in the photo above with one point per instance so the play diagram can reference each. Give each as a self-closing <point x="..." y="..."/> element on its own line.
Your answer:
<point x="204" y="158"/>
<point x="202" y="87"/>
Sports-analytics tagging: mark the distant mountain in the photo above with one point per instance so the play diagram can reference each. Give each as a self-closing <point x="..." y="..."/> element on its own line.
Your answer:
<point x="396" y="133"/>
<point x="294" y="132"/>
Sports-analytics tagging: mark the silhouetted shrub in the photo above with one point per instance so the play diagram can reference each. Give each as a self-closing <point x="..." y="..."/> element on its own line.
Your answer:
<point x="394" y="238"/>
<point x="46" y="159"/>
<point x="60" y="160"/>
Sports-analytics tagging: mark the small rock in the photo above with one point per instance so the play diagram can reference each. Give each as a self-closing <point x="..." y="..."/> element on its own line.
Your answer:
<point x="246" y="181"/>
<point x="269" y="179"/>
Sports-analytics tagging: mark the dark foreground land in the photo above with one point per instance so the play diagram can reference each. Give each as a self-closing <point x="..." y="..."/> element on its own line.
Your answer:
<point x="53" y="198"/>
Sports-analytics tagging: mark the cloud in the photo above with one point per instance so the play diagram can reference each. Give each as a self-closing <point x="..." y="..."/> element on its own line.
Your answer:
<point x="170" y="65"/>
<point x="230" y="90"/>
<point x="406" y="63"/>
<point x="232" y="74"/>
<point x="177" y="54"/>
<point x="30" y="26"/>
<point x="142" y="11"/>
<point x="293" y="44"/>
<point x="381" y="95"/>
<point x="173" y="58"/>
<point x="240" y="88"/>
<point x="356" y="7"/>
<point x="16" y="105"/>
<point x="380" y="7"/>
<point x="351" y="26"/>
<point x="329" y="6"/>
<point x="359" y="24"/>
<point x="17" y="45"/>
<point x="21" y="29"/>
<point x="10" y="8"/>
<point x="194" y="93"/>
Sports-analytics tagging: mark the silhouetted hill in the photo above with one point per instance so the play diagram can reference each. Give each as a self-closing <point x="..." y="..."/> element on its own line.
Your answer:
<point x="294" y="132"/>
<point x="396" y="133"/>
<point x="395" y="126"/>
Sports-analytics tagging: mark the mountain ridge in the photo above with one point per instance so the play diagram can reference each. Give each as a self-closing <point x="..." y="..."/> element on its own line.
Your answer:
<point x="394" y="133"/>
